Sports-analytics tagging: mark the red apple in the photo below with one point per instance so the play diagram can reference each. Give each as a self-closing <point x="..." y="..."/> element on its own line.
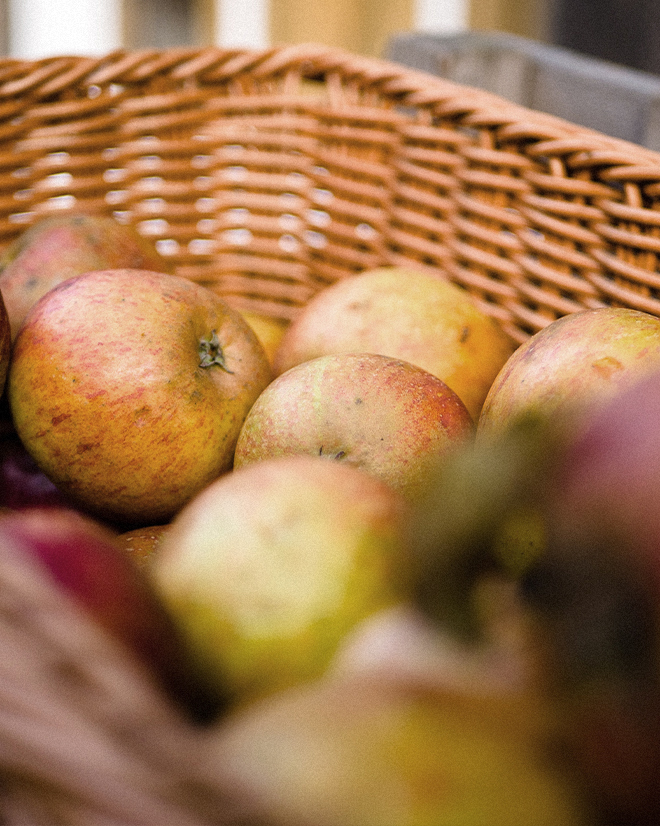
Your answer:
<point x="61" y="246"/>
<point x="269" y="567"/>
<point x="91" y="568"/>
<point x="407" y="314"/>
<point x="596" y="593"/>
<point x="386" y="416"/>
<point x="573" y="363"/>
<point x="129" y="388"/>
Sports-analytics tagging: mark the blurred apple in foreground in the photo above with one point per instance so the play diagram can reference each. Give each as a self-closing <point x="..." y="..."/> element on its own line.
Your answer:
<point x="61" y="246"/>
<point x="89" y="566"/>
<point x="575" y="362"/>
<point x="592" y="591"/>
<point x="401" y="645"/>
<point x="268" y="568"/>
<point x="385" y="416"/>
<point x="129" y="389"/>
<point x="480" y="515"/>
<point x="596" y="593"/>
<point x="407" y="314"/>
<point x="353" y="750"/>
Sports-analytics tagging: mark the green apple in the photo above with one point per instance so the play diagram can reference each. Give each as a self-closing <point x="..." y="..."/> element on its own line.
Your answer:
<point x="269" y="567"/>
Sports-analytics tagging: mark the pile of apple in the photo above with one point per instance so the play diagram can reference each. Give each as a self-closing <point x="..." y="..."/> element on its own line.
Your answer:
<point x="397" y="569"/>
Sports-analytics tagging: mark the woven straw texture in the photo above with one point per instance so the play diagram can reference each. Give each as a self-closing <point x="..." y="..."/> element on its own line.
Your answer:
<point x="267" y="175"/>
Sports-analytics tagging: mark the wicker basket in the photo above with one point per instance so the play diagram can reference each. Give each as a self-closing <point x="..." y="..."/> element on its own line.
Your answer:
<point x="267" y="175"/>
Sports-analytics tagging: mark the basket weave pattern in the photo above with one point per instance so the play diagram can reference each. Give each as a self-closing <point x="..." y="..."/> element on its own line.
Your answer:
<point x="267" y="175"/>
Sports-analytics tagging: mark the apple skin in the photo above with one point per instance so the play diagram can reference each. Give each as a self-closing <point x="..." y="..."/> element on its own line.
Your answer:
<point x="87" y="563"/>
<point x="142" y="543"/>
<point x="358" y="750"/>
<point x="386" y="416"/>
<point x="573" y="363"/>
<point x="269" y="331"/>
<point x="129" y="388"/>
<point x="406" y="314"/>
<point x="608" y="472"/>
<point x="269" y="567"/>
<point x="61" y="246"/>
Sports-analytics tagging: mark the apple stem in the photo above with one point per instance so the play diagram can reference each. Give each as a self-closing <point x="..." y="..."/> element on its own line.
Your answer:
<point x="210" y="353"/>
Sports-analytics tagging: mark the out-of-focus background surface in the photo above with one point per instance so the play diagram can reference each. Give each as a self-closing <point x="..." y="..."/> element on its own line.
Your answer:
<point x="593" y="62"/>
<point x="623" y="31"/>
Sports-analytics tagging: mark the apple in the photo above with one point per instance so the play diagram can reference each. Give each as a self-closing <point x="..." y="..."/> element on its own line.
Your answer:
<point x="142" y="543"/>
<point x="591" y="593"/>
<point x="481" y="516"/>
<point x="58" y="247"/>
<point x="573" y="363"/>
<point x="401" y="644"/>
<point x="129" y="388"/>
<point x="269" y="567"/>
<point x="596" y="595"/>
<point x="355" y="750"/>
<point x="386" y="416"/>
<point x="84" y="561"/>
<point x="269" y="331"/>
<point x="608" y="472"/>
<point x="407" y="314"/>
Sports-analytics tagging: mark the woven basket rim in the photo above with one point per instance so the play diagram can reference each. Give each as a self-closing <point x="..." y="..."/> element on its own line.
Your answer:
<point x="482" y="152"/>
<point x="40" y="76"/>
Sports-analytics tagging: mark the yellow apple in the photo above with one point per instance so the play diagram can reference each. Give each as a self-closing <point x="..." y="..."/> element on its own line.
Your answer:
<point x="406" y="314"/>
<point x="269" y="331"/>
<point x="267" y="569"/>
<point x="129" y="389"/>
<point x="349" y="751"/>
